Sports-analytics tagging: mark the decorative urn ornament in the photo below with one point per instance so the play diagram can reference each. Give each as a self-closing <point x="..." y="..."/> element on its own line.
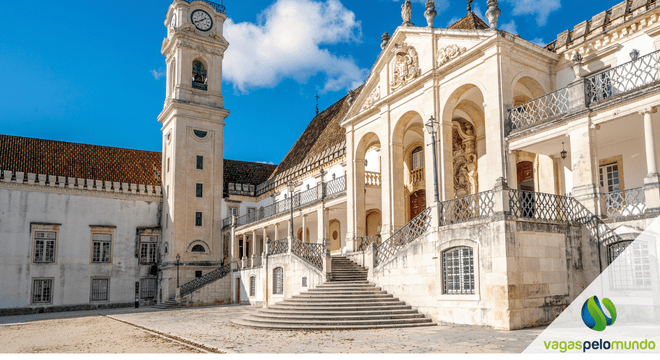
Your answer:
<point x="430" y="12"/>
<point x="493" y="14"/>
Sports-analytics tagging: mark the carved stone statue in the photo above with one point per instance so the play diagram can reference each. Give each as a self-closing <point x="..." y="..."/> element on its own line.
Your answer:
<point x="466" y="177"/>
<point x="406" y="13"/>
<point x="430" y="12"/>
<point x="405" y="66"/>
<point x="385" y="41"/>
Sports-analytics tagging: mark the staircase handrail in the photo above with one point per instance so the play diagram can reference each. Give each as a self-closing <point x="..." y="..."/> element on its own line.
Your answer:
<point x="312" y="254"/>
<point x="406" y="235"/>
<point x="198" y="283"/>
<point x="276" y="247"/>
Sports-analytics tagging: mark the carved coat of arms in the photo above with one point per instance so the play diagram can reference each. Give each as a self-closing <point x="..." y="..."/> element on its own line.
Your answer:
<point x="448" y="53"/>
<point x="405" y="66"/>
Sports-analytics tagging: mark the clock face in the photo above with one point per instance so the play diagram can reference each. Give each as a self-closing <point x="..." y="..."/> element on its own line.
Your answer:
<point x="202" y="20"/>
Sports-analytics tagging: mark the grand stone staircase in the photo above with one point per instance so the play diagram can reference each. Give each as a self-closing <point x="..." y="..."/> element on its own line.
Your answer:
<point x="349" y="301"/>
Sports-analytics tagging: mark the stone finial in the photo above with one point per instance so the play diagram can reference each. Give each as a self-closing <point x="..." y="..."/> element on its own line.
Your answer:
<point x="430" y="12"/>
<point x="493" y="14"/>
<point x="386" y="40"/>
<point x="351" y="97"/>
<point x="577" y="65"/>
<point x="406" y="13"/>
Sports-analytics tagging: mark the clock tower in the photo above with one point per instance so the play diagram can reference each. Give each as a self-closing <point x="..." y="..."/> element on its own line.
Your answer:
<point x="193" y="121"/>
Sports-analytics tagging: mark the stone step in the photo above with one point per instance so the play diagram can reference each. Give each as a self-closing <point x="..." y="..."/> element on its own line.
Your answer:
<point x="328" y="292"/>
<point x="322" y="303"/>
<point x="343" y="283"/>
<point x="339" y="308"/>
<point x="338" y="296"/>
<point x="345" y="288"/>
<point x="336" y="317"/>
<point x="355" y="322"/>
<point x="361" y="284"/>
<point x="326" y="327"/>
<point x="355" y="312"/>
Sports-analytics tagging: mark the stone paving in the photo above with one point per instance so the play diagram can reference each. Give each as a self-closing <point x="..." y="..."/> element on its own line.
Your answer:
<point x="212" y="327"/>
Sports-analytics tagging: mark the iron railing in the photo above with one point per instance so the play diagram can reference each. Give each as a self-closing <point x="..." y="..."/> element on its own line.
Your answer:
<point x="226" y="222"/>
<point x="537" y="111"/>
<point x="540" y="206"/>
<point x="217" y="7"/>
<point x="311" y="253"/>
<point x="467" y="208"/>
<point x="309" y="197"/>
<point x="623" y="78"/>
<point x="364" y="242"/>
<point x="409" y="233"/>
<point x="276" y="247"/>
<point x="190" y="287"/>
<point x="626" y="202"/>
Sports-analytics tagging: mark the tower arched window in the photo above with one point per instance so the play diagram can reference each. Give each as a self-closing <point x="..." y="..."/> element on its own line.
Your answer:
<point x="199" y="78"/>
<point x="198" y="248"/>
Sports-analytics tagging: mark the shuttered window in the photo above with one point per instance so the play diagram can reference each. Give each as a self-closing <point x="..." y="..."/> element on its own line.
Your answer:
<point x="278" y="281"/>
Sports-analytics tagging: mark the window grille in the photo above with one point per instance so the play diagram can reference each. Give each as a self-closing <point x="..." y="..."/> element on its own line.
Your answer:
<point x="200" y="163"/>
<point x="253" y="285"/>
<point x="609" y="177"/>
<point x="200" y="190"/>
<point x="198" y="248"/>
<point x="233" y="211"/>
<point x="99" y="289"/>
<point x="458" y="270"/>
<point x="42" y="291"/>
<point x="278" y="281"/>
<point x="199" y="76"/>
<point x="148" y="249"/>
<point x="198" y="274"/>
<point x="198" y="219"/>
<point x="101" y="248"/>
<point x="148" y="289"/>
<point x="44" y="247"/>
<point x="632" y="271"/>
<point x="418" y="158"/>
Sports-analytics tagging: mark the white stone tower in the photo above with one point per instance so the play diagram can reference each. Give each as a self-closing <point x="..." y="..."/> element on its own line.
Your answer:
<point x="193" y="122"/>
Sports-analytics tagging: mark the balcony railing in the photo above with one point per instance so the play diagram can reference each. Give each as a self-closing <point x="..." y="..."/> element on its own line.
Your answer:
<point x="372" y="178"/>
<point x="318" y="193"/>
<point x="226" y="222"/>
<point x="623" y="78"/>
<point x="626" y="203"/>
<point x="467" y="208"/>
<point x="540" y="110"/>
<point x="540" y="206"/>
<point x="364" y="242"/>
<point x="409" y="233"/>
<point x="217" y="7"/>
<point x="417" y="176"/>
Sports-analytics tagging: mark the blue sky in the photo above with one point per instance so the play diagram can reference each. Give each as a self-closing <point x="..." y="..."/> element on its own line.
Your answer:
<point x="86" y="71"/>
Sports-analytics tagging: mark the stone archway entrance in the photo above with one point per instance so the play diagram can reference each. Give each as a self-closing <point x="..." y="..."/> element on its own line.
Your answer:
<point x="417" y="203"/>
<point x="334" y="234"/>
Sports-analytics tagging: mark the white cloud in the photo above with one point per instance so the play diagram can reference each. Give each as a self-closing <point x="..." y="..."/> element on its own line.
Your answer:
<point x="158" y="73"/>
<point x="287" y="42"/>
<point x="509" y="27"/>
<point x="266" y="162"/>
<point x="539" y="42"/>
<point x="541" y="9"/>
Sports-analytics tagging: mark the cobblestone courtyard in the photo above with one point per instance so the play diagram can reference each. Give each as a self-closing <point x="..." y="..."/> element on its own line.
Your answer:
<point x="123" y="330"/>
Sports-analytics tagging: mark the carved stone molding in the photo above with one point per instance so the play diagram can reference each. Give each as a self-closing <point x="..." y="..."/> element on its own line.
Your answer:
<point x="372" y="99"/>
<point x="405" y="66"/>
<point x="198" y="47"/>
<point x="448" y="53"/>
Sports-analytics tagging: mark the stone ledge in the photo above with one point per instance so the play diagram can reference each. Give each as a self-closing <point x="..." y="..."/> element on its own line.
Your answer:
<point x="61" y="308"/>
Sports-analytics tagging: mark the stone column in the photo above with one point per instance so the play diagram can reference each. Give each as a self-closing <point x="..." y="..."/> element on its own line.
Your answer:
<point x="244" y="255"/>
<point x="584" y="162"/>
<point x="304" y="229"/>
<point x="560" y="178"/>
<point x="277" y="231"/>
<point x="513" y="169"/>
<point x="446" y="169"/>
<point x="263" y="240"/>
<point x="350" y="185"/>
<point x="254" y="242"/>
<point x="321" y="220"/>
<point x="232" y="245"/>
<point x="652" y="179"/>
<point x="359" y="209"/>
<point x="398" y="203"/>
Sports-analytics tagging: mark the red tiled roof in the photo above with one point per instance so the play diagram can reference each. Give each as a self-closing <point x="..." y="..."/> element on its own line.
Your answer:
<point x="49" y="157"/>
<point x="242" y="172"/>
<point x="469" y="22"/>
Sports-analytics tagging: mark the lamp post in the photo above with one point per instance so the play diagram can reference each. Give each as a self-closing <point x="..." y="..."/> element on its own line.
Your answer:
<point x="430" y="127"/>
<point x="292" y="188"/>
<point x="178" y="258"/>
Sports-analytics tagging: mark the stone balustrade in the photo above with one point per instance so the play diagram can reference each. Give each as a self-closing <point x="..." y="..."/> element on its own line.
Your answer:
<point x="417" y="176"/>
<point x="53" y="181"/>
<point x="372" y="178"/>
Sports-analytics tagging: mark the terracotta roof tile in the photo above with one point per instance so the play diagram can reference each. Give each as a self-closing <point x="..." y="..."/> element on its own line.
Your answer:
<point x="49" y="157"/>
<point x="242" y="172"/>
<point x="469" y="22"/>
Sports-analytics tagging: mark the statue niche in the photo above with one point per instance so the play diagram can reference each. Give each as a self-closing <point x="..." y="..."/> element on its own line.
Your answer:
<point x="466" y="177"/>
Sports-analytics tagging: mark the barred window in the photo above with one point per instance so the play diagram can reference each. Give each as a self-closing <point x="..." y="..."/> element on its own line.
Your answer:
<point x="278" y="281"/>
<point x="100" y="289"/>
<point x="458" y="270"/>
<point x="200" y="190"/>
<point x="42" y="291"/>
<point x="253" y="285"/>
<point x="44" y="246"/>
<point x="198" y="248"/>
<point x="148" y="288"/>
<point x="632" y="270"/>
<point x="148" y="249"/>
<point x="101" y="248"/>
<point x="198" y="219"/>
<point x="200" y="163"/>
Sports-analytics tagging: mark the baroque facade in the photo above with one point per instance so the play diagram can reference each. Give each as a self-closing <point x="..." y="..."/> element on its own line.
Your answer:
<point x="546" y="171"/>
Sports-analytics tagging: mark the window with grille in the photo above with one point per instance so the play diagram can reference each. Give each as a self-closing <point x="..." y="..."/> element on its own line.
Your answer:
<point x="458" y="270"/>
<point x="199" y="79"/>
<point x="101" y="248"/>
<point x="148" y="289"/>
<point x="632" y="270"/>
<point x="253" y="285"/>
<point x="200" y="190"/>
<point x="251" y="214"/>
<point x="198" y="248"/>
<point x="200" y="163"/>
<point x="609" y="177"/>
<point x="233" y="211"/>
<point x="418" y="158"/>
<point x="100" y="289"/>
<point x="148" y="249"/>
<point x="42" y="291"/>
<point x="278" y="281"/>
<point x="198" y="219"/>
<point x="44" y="246"/>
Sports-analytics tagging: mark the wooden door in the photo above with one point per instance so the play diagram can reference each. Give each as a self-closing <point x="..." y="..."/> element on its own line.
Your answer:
<point x="417" y="203"/>
<point x="526" y="176"/>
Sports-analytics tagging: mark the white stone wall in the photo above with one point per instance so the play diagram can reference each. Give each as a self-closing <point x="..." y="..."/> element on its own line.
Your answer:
<point x="294" y="270"/>
<point x="72" y="215"/>
<point x="215" y="293"/>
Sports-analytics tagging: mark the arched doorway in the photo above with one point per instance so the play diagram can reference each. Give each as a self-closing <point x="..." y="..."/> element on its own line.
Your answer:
<point x="417" y="203"/>
<point x="300" y="235"/>
<point x="525" y="170"/>
<point x="334" y="234"/>
<point x="374" y="222"/>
